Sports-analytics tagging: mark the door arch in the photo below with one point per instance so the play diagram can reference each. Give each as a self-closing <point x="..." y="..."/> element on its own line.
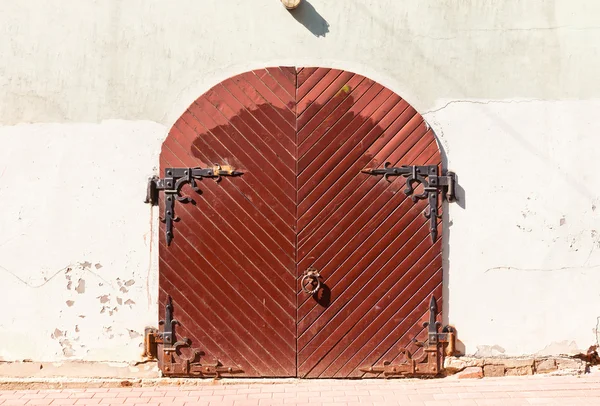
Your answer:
<point x="301" y="137"/>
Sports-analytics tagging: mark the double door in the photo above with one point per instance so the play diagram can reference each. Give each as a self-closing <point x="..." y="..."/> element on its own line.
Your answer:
<point x="301" y="137"/>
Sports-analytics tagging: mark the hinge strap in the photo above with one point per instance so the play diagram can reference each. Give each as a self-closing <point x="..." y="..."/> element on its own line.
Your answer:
<point x="171" y="184"/>
<point x="433" y="184"/>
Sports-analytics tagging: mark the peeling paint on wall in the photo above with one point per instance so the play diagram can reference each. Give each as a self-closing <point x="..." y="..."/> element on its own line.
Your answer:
<point x="80" y="286"/>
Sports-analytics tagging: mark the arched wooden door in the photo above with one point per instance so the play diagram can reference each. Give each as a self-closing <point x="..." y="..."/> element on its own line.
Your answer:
<point x="301" y="137"/>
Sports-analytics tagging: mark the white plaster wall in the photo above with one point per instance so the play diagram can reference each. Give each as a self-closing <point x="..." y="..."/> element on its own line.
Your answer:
<point x="88" y="90"/>
<point x="78" y="276"/>
<point x="524" y="242"/>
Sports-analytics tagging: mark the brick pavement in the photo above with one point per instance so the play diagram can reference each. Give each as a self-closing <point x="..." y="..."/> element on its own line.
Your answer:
<point x="567" y="390"/>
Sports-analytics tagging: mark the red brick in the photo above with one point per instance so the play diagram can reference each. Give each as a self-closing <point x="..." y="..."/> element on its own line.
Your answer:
<point x="471" y="373"/>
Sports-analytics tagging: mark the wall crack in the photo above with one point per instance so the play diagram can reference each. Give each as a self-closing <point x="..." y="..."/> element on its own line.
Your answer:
<point x="483" y="102"/>
<point x="564" y="268"/>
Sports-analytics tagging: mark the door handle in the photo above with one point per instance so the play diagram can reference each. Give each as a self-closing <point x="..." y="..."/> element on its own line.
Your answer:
<point x="311" y="281"/>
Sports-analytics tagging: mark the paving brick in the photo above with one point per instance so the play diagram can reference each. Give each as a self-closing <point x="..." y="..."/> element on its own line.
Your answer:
<point x="87" y="401"/>
<point x="15" y="402"/>
<point x="112" y="401"/>
<point x="34" y="396"/>
<point x="506" y="391"/>
<point x="82" y="395"/>
<point x="129" y="394"/>
<point x="68" y="401"/>
<point x="131" y="401"/>
<point x="38" y="401"/>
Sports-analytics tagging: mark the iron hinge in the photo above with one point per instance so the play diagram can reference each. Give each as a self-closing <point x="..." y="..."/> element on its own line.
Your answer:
<point x="171" y="184"/>
<point x="434" y="347"/>
<point x="171" y="359"/>
<point x="433" y="183"/>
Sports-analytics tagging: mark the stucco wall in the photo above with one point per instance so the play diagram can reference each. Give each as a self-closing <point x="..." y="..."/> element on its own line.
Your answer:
<point x="88" y="90"/>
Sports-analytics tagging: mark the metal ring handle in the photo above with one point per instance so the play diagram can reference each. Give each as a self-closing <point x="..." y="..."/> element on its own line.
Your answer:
<point x="312" y="275"/>
<point x="314" y="279"/>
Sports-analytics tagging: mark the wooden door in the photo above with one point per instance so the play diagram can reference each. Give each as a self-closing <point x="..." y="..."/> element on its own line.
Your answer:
<point x="301" y="137"/>
<point x="369" y="241"/>
<point x="230" y="268"/>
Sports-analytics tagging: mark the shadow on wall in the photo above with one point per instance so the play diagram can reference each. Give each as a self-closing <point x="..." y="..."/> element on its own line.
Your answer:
<point x="306" y="15"/>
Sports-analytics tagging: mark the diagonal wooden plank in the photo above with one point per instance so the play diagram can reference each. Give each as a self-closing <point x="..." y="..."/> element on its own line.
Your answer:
<point x="264" y="92"/>
<point x="408" y="330"/>
<point x="241" y="321"/>
<point x="312" y="81"/>
<point x="334" y="79"/>
<point x="313" y="117"/>
<point x="304" y="75"/>
<point x="308" y="137"/>
<point x="417" y="247"/>
<point x="254" y="134"/>
<point x="363" y="245"/>
<point x="239" y="245"/>
<point x="350" y="180"/>
<point x="199" y="326"/>
<point x="203" y="114"/>
<point x="256" y="190"/>
<point x="261" y="114"/>
<point x="283" y="79"/>
<point x="343" y="137"/>
<point x="408" y="317"/>
<point x="350" y="218"/>
<point x="266" y="250"/>
<point x="289" y="72"/>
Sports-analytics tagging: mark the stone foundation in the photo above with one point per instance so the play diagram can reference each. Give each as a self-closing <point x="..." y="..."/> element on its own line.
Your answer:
<point x="469" y="367"/>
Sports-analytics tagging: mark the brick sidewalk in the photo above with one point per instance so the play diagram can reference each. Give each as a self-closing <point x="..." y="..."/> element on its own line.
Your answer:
<point x="534" y="390"/>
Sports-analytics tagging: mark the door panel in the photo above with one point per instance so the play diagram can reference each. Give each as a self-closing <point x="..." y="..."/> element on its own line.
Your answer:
<point x="362" y="233"/>
<point x="230" y="269"/>
<point x="301" y="137"/>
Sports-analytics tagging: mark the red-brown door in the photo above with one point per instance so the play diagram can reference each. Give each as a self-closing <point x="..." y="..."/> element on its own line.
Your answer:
<point x="301" y="138"/>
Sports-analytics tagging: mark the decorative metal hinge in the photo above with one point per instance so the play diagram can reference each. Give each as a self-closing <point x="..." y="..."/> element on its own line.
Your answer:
<point x="432" y="182"/>
<point x="171" y="360"/>
<point x="435" y="347"/>
<point x="172" y="183"/>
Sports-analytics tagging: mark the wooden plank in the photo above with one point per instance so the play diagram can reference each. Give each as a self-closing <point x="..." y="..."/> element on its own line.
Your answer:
<point x="307" y="137"/>
<point x="323" y="90"/>
<point x="253" y="134"/>
<point x="340" y="184"/>
<point x="306" y="84"/>
<point x="258" y="191"/>
<point x="232" y="227"/>
<point x="263" y="114"/>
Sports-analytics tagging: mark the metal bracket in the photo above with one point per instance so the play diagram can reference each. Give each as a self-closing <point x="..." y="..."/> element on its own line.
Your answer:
<point x="431" y="362"/>
<point x="174" y="180"/>
<point x="171" y="360"/>
<point x="432" y="181"/>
